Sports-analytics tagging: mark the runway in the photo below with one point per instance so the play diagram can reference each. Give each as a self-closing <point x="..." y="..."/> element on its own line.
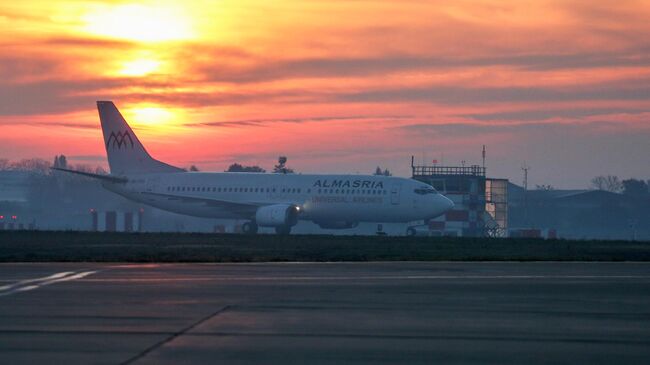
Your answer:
<point x="325" y="313"/>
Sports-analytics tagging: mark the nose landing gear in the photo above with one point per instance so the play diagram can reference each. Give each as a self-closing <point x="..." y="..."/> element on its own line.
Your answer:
<point x="249" y="228"/>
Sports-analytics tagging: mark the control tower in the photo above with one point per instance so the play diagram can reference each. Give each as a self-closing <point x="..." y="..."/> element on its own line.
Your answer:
<point x="481" y="203"/>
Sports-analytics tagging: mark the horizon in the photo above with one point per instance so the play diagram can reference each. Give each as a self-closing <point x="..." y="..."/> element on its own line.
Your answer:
<point x="558" y="86"/>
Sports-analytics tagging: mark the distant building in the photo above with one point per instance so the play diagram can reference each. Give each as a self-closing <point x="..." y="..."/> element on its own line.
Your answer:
<point x="595" y="214"/>
<point x="481" y="203"/>
<point x="14" y="186"/>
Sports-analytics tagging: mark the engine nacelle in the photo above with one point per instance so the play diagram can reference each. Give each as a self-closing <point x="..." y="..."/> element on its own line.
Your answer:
<point x="277" y="215"/>
<point x="337" y="224"/>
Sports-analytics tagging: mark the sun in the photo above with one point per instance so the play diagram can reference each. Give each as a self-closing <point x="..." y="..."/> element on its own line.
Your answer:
<point x="138" y="22"/>
<point x="150" y="115"/>
<point x="139" y="67"/>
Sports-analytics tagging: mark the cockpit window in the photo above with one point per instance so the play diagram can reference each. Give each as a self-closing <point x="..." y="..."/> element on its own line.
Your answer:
<point x="425" y="190"/>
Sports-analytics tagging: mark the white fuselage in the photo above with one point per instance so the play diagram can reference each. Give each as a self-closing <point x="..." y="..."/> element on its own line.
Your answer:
<point x="321" y="198"/>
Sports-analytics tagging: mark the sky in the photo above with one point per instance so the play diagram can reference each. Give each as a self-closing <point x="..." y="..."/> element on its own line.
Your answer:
<point x="562" y="87"/>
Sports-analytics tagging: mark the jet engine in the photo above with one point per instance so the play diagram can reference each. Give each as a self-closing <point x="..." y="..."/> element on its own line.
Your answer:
<point x="277" y="215"/>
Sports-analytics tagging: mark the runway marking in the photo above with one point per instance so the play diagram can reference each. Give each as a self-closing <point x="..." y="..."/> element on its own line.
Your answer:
<point x="357" y="278"/>
<point x="174" y="335"/>
<point x="32" y="284"/>
<point x="27" y="281"/>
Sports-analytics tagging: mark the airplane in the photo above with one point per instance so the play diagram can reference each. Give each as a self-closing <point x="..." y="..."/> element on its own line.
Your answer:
<point x="277" y="200"/>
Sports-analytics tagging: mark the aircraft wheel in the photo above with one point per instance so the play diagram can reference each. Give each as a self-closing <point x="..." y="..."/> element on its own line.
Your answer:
<point x="249" y="228"/>
<point x="283" y="230"/>
<point x="410" y="231"/>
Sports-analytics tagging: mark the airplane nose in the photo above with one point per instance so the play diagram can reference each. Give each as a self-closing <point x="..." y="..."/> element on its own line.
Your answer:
<point x="441" y="205"/>
<point x="448" y="204"/>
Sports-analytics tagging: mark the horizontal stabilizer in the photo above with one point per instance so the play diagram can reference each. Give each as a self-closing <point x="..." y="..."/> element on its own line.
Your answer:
<point x="113" y="179"/>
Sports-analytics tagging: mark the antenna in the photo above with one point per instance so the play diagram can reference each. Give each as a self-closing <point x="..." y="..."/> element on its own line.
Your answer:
<point x="483" y="158"/>
<point x="525" y="168"/>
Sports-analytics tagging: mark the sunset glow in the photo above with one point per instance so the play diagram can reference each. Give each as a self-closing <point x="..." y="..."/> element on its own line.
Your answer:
<point x="336" y="86"/>
<point x="138" y="22"/>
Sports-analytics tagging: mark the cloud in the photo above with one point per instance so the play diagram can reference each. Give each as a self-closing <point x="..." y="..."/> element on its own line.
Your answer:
<point x="543" y="114"/>
<point x="263" y="70"/>
<point x="467" y="95"/>
<point x="261" y="122"/>
<point x="451" y="130"/>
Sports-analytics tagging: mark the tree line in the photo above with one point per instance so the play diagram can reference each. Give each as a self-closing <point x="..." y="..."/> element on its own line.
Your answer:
<point x="614" y="184"/>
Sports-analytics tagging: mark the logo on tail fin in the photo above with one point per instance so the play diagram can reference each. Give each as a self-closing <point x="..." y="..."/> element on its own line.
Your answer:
<point x="120" y="139"/>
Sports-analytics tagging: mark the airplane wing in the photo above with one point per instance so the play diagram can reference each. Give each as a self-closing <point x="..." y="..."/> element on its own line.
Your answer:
<point x="239" y="207"/>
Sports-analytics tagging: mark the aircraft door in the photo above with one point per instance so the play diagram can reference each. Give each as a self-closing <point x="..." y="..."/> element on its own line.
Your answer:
<point x="394" y="193"/>
<point x="152" y="184"/>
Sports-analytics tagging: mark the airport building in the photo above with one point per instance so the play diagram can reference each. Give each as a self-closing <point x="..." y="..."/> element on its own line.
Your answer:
<point x="116" y="221"/>
<point x="481" y="203"/>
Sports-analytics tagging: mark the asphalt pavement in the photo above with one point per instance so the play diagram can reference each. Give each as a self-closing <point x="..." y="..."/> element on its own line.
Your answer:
<point x="325" y="313"/>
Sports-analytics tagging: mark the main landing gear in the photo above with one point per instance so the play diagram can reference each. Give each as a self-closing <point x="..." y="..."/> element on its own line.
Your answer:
<point x="283" y="229"/>
<point x="249" y="228"/>
<point x="411" y="232"/>
<point x="252" y="227"/>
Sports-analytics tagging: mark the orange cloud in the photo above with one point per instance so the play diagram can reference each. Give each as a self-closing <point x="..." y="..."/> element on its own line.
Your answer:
<point x="338" y="86"/>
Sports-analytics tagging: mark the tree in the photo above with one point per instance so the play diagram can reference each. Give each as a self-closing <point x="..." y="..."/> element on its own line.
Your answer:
<point x="635" y="187"/>
<point x="240" y="168"/>
<point x="100" y="171"/>
<point x="281" y="167"/>
<point x="193" y="168"/>
<point x="385" y="172"/>
<point x="598" y="182"/>
<point x="545" y="187"/>
<point x="608" y="183"/>
<point x="4" y="164"/>
<point x="60" y="162"/>
<point x="35" y="165"/>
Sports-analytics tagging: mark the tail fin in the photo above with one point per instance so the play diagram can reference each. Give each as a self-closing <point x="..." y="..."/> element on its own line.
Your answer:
<point x="126" y="155"/>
